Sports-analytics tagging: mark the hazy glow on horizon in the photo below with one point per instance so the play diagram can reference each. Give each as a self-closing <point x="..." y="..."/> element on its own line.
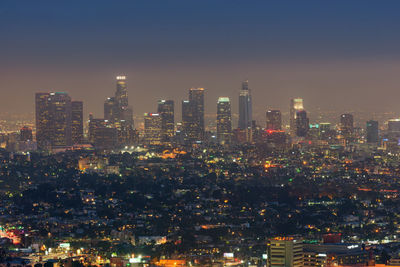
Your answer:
<point x="335" y="55"/>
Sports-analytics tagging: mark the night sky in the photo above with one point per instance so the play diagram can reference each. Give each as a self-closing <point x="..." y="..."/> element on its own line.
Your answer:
<point x="342" y="55"/>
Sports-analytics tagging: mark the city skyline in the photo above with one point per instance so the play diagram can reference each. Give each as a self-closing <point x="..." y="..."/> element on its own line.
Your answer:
<point x="199" y="133"/>
<point x="319" y="58"/>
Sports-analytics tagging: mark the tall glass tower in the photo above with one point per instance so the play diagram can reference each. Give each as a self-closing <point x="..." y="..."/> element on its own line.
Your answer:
<point x="166" y="111"/>
<point x="296" y="104"/>
<point x="53" y="120"/>
<point x="245" y="106"/>
<point x="196" y="99"/>
<point x="224" y="120"/>
<point x="77" y="122"/>
<point x="121" y="96"/>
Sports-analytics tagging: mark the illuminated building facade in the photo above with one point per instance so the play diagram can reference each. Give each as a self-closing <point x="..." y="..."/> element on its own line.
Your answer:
<point x="274" y="120"/>
<point x="60" y="119"/>
<point x="394" y="126"/>
<point x="126" y="135"/>
<point x="53" y="120"/>
<point x="110" y="109"/>
<point x="346" y="124"/>
<point x="42" y="119"/>
<point x="119" y="114"/>
<point x="121" y="95"/>
<point x="285" y="252"/>
<point x="336" y="254"/>
<point x="77" y="122"/>
<point x="102" y="134"/>
<point x="224" y="120"/>
<point x="372" y="130"/>
<point x="152" y="128"/>
<point x="324" y="127"/>
<point x="302" y="123"/>
<point x="196" y="99"/>
<point x="296" y="104"/>
<point x="187" y="122"/>
<point x="117" y="108"/>
<point x="94" y="124"/>
<point x="166" y="110"/>
<point x="245" y="106"/>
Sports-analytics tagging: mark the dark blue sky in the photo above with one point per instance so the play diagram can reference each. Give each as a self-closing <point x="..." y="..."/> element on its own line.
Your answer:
<point x="342" y="54"/>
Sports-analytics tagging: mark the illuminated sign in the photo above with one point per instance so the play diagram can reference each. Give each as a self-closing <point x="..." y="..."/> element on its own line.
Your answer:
<point x="65" y="245"/>
<point x="135" y="260"/>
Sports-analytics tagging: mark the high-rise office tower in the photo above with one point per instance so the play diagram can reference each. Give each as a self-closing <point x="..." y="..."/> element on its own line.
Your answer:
<point x="285" y="252"/>
<point x="274" y="120"/>
<point x="125" y="133"/>
<point x="117" y="108"/>
<point x="25" y="134"/>
<point x="245" y="106"/>
<point x="394" y="126"/>
<point x="196" y="99"/>
<point x="346" y="124"/>
<point x="119" y="114"/>
<point x="102" y="134"/>
<point x="372" y="132"/>
<point x="121" y="95"/>
<point x="296" y="104"/>
<point x="166" y="110"/>
<point x="302" y="123"/>
<point x="224" y="120"/>
<point x="110" y="109"/>
<point x="60" y="119"/>
<point x="152" y="128"/>
<point x="393" y="129"/>
<point x="188" y="126"/>
<point x="77" y="122"/>
<point x="94" y="124"/>
<point x="42" y="118"/>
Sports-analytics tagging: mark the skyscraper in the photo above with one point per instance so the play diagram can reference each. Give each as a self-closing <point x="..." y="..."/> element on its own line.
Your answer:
<point x="42" y="118"/>
<point x="346" y="124"/>
<point x="127" y="115"/>
<point x="372" y="131"/>
<point x="102" y="134"/>
<point x="110" y="109"/>
<point x="117" y="108"/>
<point x="121" y="95"/>
<point x="296" y="104"/>
<point x="119" y="114"/>
<point x="274" y="120"/>
<point x="60" y="119"/>
<point x="196" y="99"/>
<point x="188" y="126"/>
<point x="394" y="126"/>
<point x="152" y="128"/>
<point x="245" y="106"/>
<point x="224" y="120"/>
<point x="302" y="123"/>
<point x="77" y="122"/>
<point x="166" y="111"/>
